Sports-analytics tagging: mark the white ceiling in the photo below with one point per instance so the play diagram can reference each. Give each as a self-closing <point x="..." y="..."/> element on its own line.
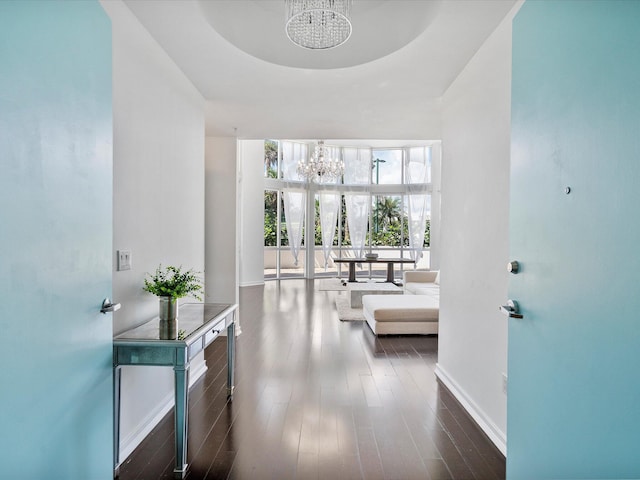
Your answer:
<point x="384" y="83"/>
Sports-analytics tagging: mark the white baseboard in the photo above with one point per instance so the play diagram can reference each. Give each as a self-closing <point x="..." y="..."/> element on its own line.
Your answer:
<point x="496" y="435"/>
<point x="148" y="423"/>
<point x="251" y="284"/>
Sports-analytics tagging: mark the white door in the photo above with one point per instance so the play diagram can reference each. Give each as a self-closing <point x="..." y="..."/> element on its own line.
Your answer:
<point x="574" y="357"/>
<point x="55" y="240"/>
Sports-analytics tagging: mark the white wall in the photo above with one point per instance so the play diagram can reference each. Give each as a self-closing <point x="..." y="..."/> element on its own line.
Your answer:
<point x="220" y="220"/>
<point x="472" y="347"/>
<point x="251" y="186"/>
<point x="158" y="196"/>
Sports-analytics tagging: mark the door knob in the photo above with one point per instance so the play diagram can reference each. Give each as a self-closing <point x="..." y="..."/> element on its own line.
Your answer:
<point x="107" y="306"/>
<point x="513" y="267"/>
<point x="511" y="309"/>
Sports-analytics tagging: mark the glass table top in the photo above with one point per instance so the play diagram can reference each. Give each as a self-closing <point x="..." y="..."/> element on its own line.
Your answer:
<point x="191" y="318"/>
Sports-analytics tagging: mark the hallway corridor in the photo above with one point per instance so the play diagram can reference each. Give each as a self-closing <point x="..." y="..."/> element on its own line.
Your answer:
<point x="317" y="398"/>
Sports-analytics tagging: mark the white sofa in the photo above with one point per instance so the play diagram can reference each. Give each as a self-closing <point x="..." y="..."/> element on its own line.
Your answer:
<point x="417" y="311"/>
<point x="422" y="282"/>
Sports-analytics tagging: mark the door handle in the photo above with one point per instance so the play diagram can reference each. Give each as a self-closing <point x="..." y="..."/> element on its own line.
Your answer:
<point x="107" y="306"/>
<point x="511" y="309"/>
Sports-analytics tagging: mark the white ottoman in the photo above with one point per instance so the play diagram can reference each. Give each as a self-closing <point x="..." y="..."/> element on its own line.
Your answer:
<point x="358" y="289"/>
<point x="401" y="314"/>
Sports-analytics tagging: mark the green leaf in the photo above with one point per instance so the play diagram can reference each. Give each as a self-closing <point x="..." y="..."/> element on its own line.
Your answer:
<point x="173" y="282"/>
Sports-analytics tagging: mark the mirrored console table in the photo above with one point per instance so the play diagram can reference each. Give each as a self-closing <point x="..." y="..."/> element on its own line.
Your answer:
<point x="198" y="325"/>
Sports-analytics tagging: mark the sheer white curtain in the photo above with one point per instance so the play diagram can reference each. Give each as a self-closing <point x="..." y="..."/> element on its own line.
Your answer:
<point x="295" y="201"/>
<point x="357" y="171"/>
<point x="329" y="208"/>
<point x="418" y="171"/>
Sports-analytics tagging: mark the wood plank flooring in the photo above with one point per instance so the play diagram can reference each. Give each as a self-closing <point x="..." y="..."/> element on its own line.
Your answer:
<point x="317" y="398"/>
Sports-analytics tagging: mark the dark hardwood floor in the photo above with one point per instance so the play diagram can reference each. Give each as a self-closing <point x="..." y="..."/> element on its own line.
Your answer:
<point x="317" y="398"/>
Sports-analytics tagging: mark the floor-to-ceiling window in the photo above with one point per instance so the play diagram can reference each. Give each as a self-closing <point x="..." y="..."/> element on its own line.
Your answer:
<point x="375" y="207"/>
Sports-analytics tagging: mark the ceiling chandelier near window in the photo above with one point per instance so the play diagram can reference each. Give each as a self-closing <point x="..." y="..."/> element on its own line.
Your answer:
<point x="318" y="24"/>
<point x="320" y="168"/>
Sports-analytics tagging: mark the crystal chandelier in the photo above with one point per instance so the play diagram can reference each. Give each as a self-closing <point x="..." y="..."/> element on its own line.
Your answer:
<point x="318" y="24"/>
<point x="320" y="168"/>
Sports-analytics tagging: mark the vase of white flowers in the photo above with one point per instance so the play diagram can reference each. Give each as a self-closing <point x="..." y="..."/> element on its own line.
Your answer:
<point x="169" y="284"/>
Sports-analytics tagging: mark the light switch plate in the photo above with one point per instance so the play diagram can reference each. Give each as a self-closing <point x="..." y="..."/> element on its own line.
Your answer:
<point x="124" y="260"/>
